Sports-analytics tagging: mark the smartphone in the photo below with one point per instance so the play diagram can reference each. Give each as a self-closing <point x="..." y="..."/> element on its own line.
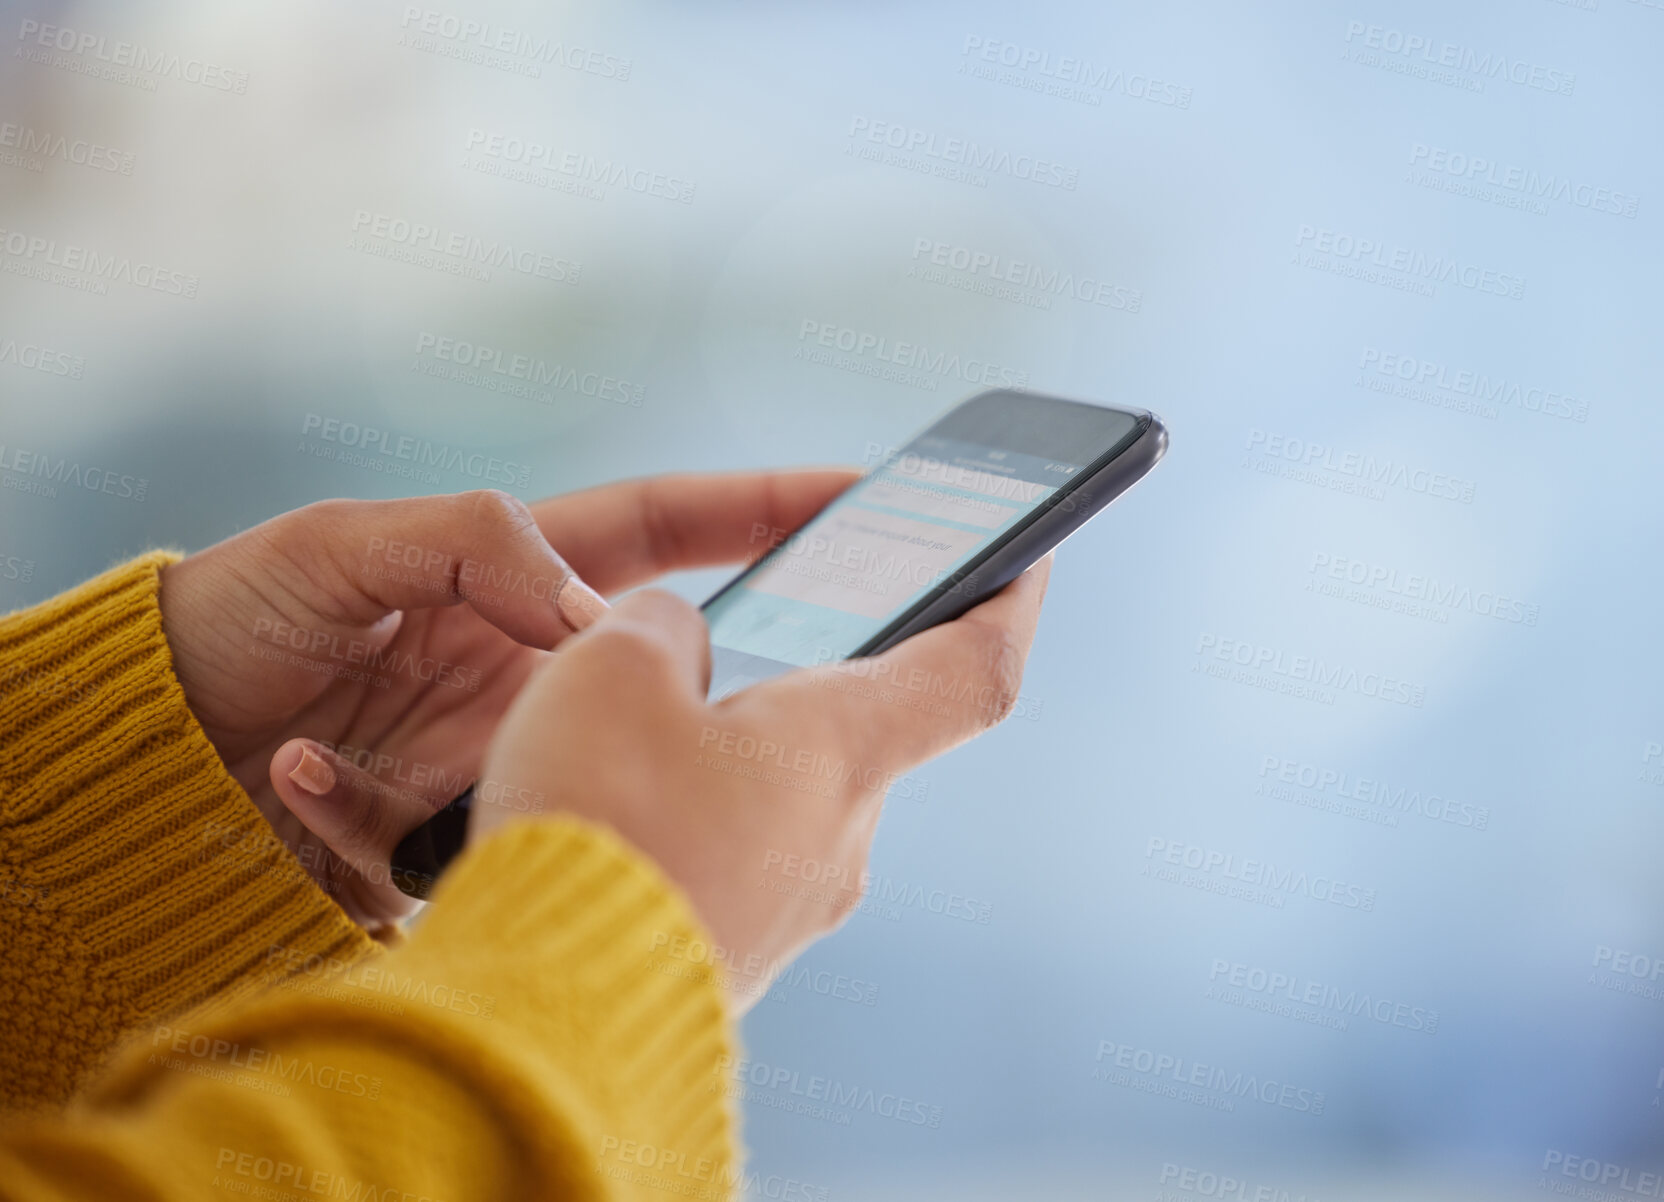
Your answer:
<point x="943" y="522"/>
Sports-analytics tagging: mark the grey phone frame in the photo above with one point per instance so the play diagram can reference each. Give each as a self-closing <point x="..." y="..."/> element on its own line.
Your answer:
<point x="425" y="852"/>
<point x="1043" y="528"/>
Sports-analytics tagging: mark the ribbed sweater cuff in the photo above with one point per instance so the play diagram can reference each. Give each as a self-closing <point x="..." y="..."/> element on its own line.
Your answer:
<point x="160" y="870"/>
<point x="590" y="952"/>
<point x="527" y="1008"/>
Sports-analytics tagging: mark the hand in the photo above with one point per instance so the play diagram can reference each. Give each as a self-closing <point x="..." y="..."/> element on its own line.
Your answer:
<point x="342" y="625"/>
<point x="616" y="730"/>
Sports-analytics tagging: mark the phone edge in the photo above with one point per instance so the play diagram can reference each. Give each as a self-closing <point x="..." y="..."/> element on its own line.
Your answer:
<point x="1114" y="476"/>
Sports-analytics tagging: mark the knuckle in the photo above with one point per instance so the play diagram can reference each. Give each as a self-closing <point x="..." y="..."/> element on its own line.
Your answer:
<point x="326" y="510"/>
<point x="1000" y="664"/>
<point x="308" y="526"/>
<point x="493" y="506"/>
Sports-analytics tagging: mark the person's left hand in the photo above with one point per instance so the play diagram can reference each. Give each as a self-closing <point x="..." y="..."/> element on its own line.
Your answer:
<point x="339" y="624"/>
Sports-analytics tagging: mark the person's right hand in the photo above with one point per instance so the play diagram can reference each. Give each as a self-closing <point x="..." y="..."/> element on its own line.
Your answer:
<point x="343" y="626"/>
<point x="761" y="807"/>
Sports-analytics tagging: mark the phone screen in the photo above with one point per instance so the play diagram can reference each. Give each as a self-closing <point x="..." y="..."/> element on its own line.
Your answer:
<point x="933" y="507"/>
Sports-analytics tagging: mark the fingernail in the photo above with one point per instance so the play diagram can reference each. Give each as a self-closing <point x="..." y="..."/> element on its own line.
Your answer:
<point x="578" y="603"/>
<point x="312" y="773"/>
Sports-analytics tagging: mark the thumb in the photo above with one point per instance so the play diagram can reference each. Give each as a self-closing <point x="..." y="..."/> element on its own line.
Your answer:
<point x="358" y="818"/>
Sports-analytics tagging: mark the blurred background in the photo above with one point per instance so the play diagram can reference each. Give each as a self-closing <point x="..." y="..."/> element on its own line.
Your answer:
<point x="1322" y="858"/>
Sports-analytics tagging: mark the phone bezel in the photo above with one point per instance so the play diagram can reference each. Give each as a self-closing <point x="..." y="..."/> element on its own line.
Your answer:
<point x="425" y="852"/>
<point x="929" y="609"/>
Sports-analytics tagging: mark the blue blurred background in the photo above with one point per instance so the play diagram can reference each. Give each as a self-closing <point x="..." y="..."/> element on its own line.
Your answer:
<point x="1388" y="271"/>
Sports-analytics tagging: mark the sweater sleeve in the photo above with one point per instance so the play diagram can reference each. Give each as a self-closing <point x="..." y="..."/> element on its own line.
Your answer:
<point x="529" y="1040"/>
<point x="137" y="878"/>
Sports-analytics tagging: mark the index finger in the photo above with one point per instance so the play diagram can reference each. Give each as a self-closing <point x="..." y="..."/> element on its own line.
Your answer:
<point x="934" y="691"/>
<point x="482" y="547"/>
<point x="620" y="535"/>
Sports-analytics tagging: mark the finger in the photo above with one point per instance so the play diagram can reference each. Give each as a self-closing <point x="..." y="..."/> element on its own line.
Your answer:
<point x="619" y="535"/>
<point x="481" y="547"/>
<point x="936" y="689"/>
<point x="358" y="817"/>
<point x="650" y="639"/>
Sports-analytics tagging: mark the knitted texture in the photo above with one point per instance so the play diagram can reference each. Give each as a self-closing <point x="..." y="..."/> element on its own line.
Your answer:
<point x="137" y="878"/>
<point x="534" y="1037"/>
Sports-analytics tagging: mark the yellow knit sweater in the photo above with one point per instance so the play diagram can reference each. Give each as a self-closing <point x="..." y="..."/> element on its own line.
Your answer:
<point x="523" y="1043"/>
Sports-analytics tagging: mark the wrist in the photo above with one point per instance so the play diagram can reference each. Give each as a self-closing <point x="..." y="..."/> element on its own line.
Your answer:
<point x="211" y="632"/>
<point x="181" y="615"/>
